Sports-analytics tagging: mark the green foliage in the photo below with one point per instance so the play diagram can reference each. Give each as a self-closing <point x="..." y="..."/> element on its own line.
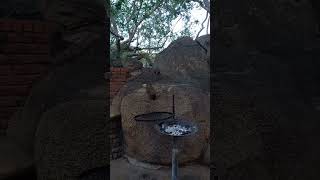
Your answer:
<point x="148" y="24"/>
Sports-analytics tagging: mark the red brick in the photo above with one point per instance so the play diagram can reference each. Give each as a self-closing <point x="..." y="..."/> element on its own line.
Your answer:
<point x="29" y="69"/>
<point x="26" y="59"/>
<point x="19" y="38"/>
<point x="115" y="88"/>
<point x="19" y="79"/>
<point x="11" y="101"/>
<point x="115" y="69"/>
<point x="125" y="73"/>
<point x="124" y="70"/>
<point x="118" y="79"/>
<point x="21" y="48"/>
<point x="48" y="27"/>
<point x="118" y="75"/>
<point x="112" y="94"/>
<point x="28" y="37"/>
<point x="14" y="90"/>
<point x="5" y="70"/>
<point x="27" y="26"/>
<point x="39" y="38"/>
<point x="8" y="111"/>
<point x="5" y="26"/>
<point x="5" y="116"/>
<point x="3" y="59"/>
<point x="17" y="26"/>
<point x="3" y="123"/>
<point x="121" y="83"/>
<point x="38" y="27"/>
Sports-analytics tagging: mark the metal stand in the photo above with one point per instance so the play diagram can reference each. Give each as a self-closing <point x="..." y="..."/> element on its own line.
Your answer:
<point x="174" y="163"/>
<point x="174" y="170"/>
<point x="167" y="119"/>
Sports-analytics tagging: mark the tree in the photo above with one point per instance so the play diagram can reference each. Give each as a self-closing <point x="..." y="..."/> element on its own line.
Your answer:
<point x="146" y="25"/>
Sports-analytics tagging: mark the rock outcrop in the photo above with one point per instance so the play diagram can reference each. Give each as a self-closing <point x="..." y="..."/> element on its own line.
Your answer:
<point x="181" y="69"/>
<point x="259" y="121"/>
<point x="185" y="61"/>
<point x="71" y="139"/>
<point x="144" y="143"/>
<point x="79" y="64"/>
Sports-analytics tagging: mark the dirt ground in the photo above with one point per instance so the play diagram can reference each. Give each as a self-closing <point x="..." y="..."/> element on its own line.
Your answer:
<point x="121" y="169"/>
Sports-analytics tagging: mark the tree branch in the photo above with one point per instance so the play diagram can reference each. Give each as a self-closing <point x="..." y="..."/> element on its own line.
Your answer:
<point x="133" y="11"/>
<point x="205" y="4"/>
<point x="114" y="29"/>
<point x="208" y="24"/>
<point x="146" y="16"/>
<point x="149" y="48"/>
<point x="202" y="26"/>
<point x="117" y="35"/>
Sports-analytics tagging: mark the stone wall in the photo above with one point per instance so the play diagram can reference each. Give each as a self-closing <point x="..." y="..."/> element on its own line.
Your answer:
<point x="24" y="58"/>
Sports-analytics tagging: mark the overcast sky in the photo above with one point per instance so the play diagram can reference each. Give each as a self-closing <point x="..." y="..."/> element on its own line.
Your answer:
<point x="197" y="13"/>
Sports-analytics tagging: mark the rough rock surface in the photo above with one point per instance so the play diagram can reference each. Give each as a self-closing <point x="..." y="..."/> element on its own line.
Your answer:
<point x="185" y="61"/>
<point x="272" y="26"/>
<point x="77" y="74"/>
<point x="71" y="139"/>
<point x="83" y="79"/>
<point x="205" y="44"/>
<point x="182" y="69"/>
<point x="259" y="121"/>
<point x="143" y="76"/>
<point x="144" y="143"/>
<point x="12" y="159"/>
<point x="133" y="65"/>
<point x="206" y="155"/>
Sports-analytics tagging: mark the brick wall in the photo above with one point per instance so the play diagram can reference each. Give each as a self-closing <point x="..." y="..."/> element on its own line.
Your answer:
<point x="119" y="77"/>
<point x="24" y="58"/>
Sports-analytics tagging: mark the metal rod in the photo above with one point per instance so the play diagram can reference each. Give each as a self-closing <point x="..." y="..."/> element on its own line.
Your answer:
<point x="174" y="174"/>
<point x="173" y="107"/>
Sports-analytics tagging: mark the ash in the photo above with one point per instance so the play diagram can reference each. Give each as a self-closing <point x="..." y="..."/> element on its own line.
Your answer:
<point x="176" y="130"/>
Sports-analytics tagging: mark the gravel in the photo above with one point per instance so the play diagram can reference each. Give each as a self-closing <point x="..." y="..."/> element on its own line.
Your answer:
<point x="176" y="130"/>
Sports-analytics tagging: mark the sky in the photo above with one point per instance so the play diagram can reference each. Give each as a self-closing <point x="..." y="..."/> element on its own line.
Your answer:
<point x="197" y="13"/>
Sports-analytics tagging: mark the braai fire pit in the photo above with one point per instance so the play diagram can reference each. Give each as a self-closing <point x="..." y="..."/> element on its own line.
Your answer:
<point x="167" y="124"/>
<point x="154" y="116"/>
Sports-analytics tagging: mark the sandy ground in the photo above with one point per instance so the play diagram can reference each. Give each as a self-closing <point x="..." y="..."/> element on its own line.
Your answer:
<point x="121" y="169"/>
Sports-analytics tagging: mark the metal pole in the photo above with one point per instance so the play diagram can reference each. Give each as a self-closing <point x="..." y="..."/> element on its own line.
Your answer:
<point x="174" y="174"/>
<point x="173" y="107"/>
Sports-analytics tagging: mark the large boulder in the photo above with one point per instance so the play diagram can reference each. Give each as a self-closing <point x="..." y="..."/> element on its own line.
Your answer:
<point x="271" y="26"/>
<point x="71" y="139"/>
<point x="143" y="142"/>
<point x="136" y="81"/>
<point x="22" y="126"/>
<point x="204" y="42"/>
<point x="181" y="69"/>
<point x="185" y="61"/>
<point x="262" y="124"/>
<point x="85" y="81"/>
